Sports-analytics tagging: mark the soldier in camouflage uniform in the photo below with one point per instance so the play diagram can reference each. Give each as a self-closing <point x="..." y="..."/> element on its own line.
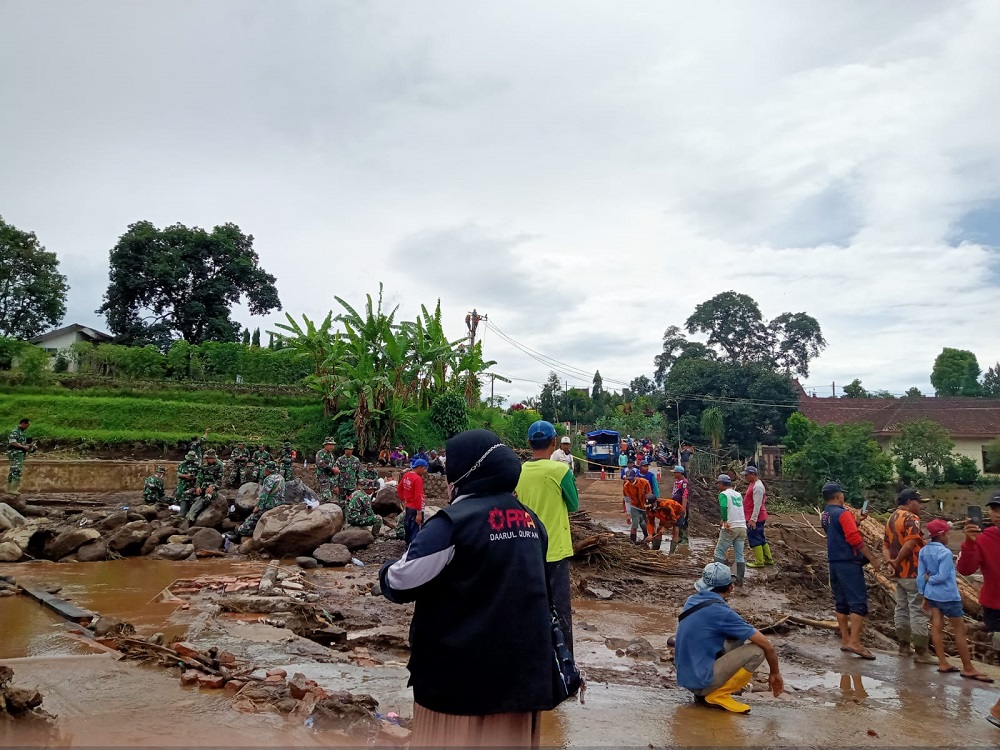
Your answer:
<point x="326" y="471"/>
<point x="368" y="478"/>
<point x="260" y="459"/>
<point x="18" y="446"/>
<point x="210" y="477"/>
<point x="347" y="478"/>
<point x="285" y="461"/>
<point x="187" y="479"/>
<point x="360" y="513"/>
<point x="197" y="445"/>
<point x="239" y="460"/>
<point x="270" y="495"/>
<point x="153" y="491"/>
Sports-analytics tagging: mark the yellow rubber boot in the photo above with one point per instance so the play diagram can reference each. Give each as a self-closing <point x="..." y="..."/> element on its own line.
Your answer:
<point x="768" y="560"/>
<point x="723" y="697"/>
<point x="758" y="557"/>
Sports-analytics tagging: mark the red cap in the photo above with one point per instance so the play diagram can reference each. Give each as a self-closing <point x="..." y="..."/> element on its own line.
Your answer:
<point x="938" y="527"/>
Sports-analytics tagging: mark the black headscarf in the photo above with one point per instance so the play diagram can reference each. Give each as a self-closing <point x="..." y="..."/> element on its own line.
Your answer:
<point x="498" y="472"/>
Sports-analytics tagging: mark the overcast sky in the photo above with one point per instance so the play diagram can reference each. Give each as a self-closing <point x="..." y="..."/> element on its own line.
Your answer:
<point x="583" y="172"/>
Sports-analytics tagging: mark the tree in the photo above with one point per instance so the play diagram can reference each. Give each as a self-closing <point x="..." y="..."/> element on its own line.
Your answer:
<point x="754" y="399"/>
<point x="796" y="339"/>
<point x="924" y="441"/>
<point x="255" y="339"/>
<point x="854" y="389"/>
<point x="641" y="386"/>
<point x="797" y="431"/>
<point x="548" y="402"/>
<point x="913" y="392"/>
<point x="956" y="373"/>
<point x="182" y="282"/>
<point x="598" y="389"/>
<point x="844" y="453"/>
<point x="449" y="414"/>
<point x="960" y="470"/>
<point x="713" y="426"/>
<point x="676" y="347"/>
<point x="733" y="323"/>
<point x="991" y="382"/>
<point x="993" y="456"/>
<point x="245" y="337"/>
<point x="32" y="291"/>
<point x="577" y="405"/>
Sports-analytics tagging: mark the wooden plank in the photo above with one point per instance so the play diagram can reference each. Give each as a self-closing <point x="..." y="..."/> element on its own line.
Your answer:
<point x="61" y="607"/>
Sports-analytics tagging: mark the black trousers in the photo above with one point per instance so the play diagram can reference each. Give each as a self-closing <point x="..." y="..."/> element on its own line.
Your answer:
<point x="559" y="590"/>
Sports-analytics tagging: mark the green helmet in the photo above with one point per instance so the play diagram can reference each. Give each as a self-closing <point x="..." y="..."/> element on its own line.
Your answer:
<point x="161" y="469"/>
<point x="287" y="444"/>
<point x="211" y="454"/>
<point x="349" y="447"/>
<point x="191" y="456"/>
<point x="270" y="466"/>
<point x="329" y="441"/>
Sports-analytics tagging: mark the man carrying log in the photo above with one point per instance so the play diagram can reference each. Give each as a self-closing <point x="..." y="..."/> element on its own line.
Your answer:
<point x="981" y="551"/>
<point x="900" y="549"/>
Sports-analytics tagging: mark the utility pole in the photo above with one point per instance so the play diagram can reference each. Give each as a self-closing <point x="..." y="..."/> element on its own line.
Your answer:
<point x="472" y="325"/>
<point x="833" y="387"/>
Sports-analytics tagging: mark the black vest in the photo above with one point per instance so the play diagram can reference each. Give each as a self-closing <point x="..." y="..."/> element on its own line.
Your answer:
<point x="481" y="638"/>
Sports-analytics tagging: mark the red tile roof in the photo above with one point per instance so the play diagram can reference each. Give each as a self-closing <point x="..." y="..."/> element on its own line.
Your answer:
<point x="962" y="417"/>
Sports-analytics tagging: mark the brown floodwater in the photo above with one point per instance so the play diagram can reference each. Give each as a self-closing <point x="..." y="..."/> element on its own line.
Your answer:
<point x="125" y="588"/>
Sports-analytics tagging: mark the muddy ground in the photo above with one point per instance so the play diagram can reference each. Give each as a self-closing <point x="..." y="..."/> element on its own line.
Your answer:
<point x="832" y="699"/>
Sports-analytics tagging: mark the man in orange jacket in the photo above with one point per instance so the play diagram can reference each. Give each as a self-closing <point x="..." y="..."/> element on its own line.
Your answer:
<point x="636" y="491"/>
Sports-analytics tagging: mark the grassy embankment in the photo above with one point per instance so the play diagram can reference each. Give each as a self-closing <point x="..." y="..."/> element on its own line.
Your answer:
<point x="110" y="418"/>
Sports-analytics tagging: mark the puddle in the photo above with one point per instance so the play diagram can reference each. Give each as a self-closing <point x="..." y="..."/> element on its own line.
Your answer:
<point x="118" y="588"/>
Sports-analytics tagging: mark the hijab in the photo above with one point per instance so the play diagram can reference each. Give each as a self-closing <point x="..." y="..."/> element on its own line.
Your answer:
<point x="498" y="471"/>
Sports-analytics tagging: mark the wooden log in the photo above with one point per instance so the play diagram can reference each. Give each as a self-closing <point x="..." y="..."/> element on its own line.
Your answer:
<point x="61" y="607"/>
<point x="809" y="622"/>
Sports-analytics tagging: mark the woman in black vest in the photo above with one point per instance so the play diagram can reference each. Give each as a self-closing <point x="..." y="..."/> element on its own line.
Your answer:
<point x="481" y="663"/>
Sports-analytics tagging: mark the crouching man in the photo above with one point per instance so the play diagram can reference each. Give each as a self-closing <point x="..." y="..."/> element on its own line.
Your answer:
<point x="712" y="658"/>
<point x="270" y="495"/>
<point x="359" y="509"/>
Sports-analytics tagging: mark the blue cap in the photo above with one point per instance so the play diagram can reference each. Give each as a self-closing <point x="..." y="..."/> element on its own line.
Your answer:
<point x="630" y="474"/>
<point x="418" y="462"/>
<point x="541" y="430"/>
<point x="831" y="489"/>
<point x="679" y="469"/>
<point x="715" y="575"/>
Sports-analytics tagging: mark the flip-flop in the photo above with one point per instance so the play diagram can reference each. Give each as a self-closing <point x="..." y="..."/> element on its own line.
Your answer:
<point x="993" y="720"/>
<point x="863" y="653"/>
<point x="844" y="648"/>
<point x="949" y="670"/>
<point x="977" y="677"/>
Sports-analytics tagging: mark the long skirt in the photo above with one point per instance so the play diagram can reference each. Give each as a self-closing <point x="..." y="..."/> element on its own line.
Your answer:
<point x="433" y="729"/>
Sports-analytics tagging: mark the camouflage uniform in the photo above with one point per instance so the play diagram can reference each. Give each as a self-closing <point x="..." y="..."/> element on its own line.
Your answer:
<point x="153" y="491"/>
<point x="360" y="513"/>
<point x="326" y="477"/>
<point x="285" y="461"/>
<point x="16" y="458"/>
<point x="196" y="447"/>
<point x="369" y="477"/>
<point x="239" y="459"/>
<point x="210" y="477"/>
<point x="185" y="487"/>
<point x="270" y="495"/>
<point x="259" y="459"/>
<point x="347" y="480"/>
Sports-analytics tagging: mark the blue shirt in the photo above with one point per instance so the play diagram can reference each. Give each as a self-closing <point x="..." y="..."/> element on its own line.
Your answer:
<point x="936" y="559"/>
<point x="701" y="636"/>
<point x="651" y="478"/>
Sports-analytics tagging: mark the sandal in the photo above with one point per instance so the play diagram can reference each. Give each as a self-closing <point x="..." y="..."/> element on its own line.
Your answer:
<point x="949" y="670"/>
<point x="978" y="677"/>
<point x="993" y="720"/>
<point x="863" y="653"/>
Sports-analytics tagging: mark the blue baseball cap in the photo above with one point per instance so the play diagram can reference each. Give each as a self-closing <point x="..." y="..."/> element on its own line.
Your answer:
<point x="541" y="431"/>
<point x="630" y="474"/>
<point x="418" y="462"/>
<point x="831" y="490"/>
<point x="679" y="469"/>
<point x="715" y="575"/>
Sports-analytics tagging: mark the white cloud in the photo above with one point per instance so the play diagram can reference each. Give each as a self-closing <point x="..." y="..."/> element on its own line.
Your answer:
<point x="584" y="172"/>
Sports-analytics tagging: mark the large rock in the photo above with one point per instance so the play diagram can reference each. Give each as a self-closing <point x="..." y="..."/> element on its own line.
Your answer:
<point x="332" y="554"/>
<point x="217" y="510"/>
<point x="308" y="563"/>
<point x="148" y="512"/>
<point x="387" y="502"/>
<point x="92" y="552"/>
<point x="297" y="491"/>
<point x="10" y="552"/>
<point x="113" y="521"/>
<point x="158" y="537"/>
<point x="10" y="518"/>
<point x="209" y="539"/>
<point x="30" y="535"/>
<point x="353" y="538"/>
<point x="128" y="539"/>
<point x="296" y="530"/>
<point x="172" y="552"/>
<point x="246" y="498"/>
<point x="69" y="541"/>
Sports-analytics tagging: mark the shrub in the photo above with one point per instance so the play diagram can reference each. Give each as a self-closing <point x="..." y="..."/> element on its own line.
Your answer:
<point x="450" y="414"/>
<point x="961" y="470"/>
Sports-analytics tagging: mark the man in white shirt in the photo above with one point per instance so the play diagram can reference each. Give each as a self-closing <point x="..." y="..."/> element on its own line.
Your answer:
<point x="734" y="526"/>
<point x="564" y="453"/>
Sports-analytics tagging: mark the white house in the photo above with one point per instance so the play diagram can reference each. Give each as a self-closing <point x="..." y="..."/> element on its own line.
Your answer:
<point x="63" y="338"/>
